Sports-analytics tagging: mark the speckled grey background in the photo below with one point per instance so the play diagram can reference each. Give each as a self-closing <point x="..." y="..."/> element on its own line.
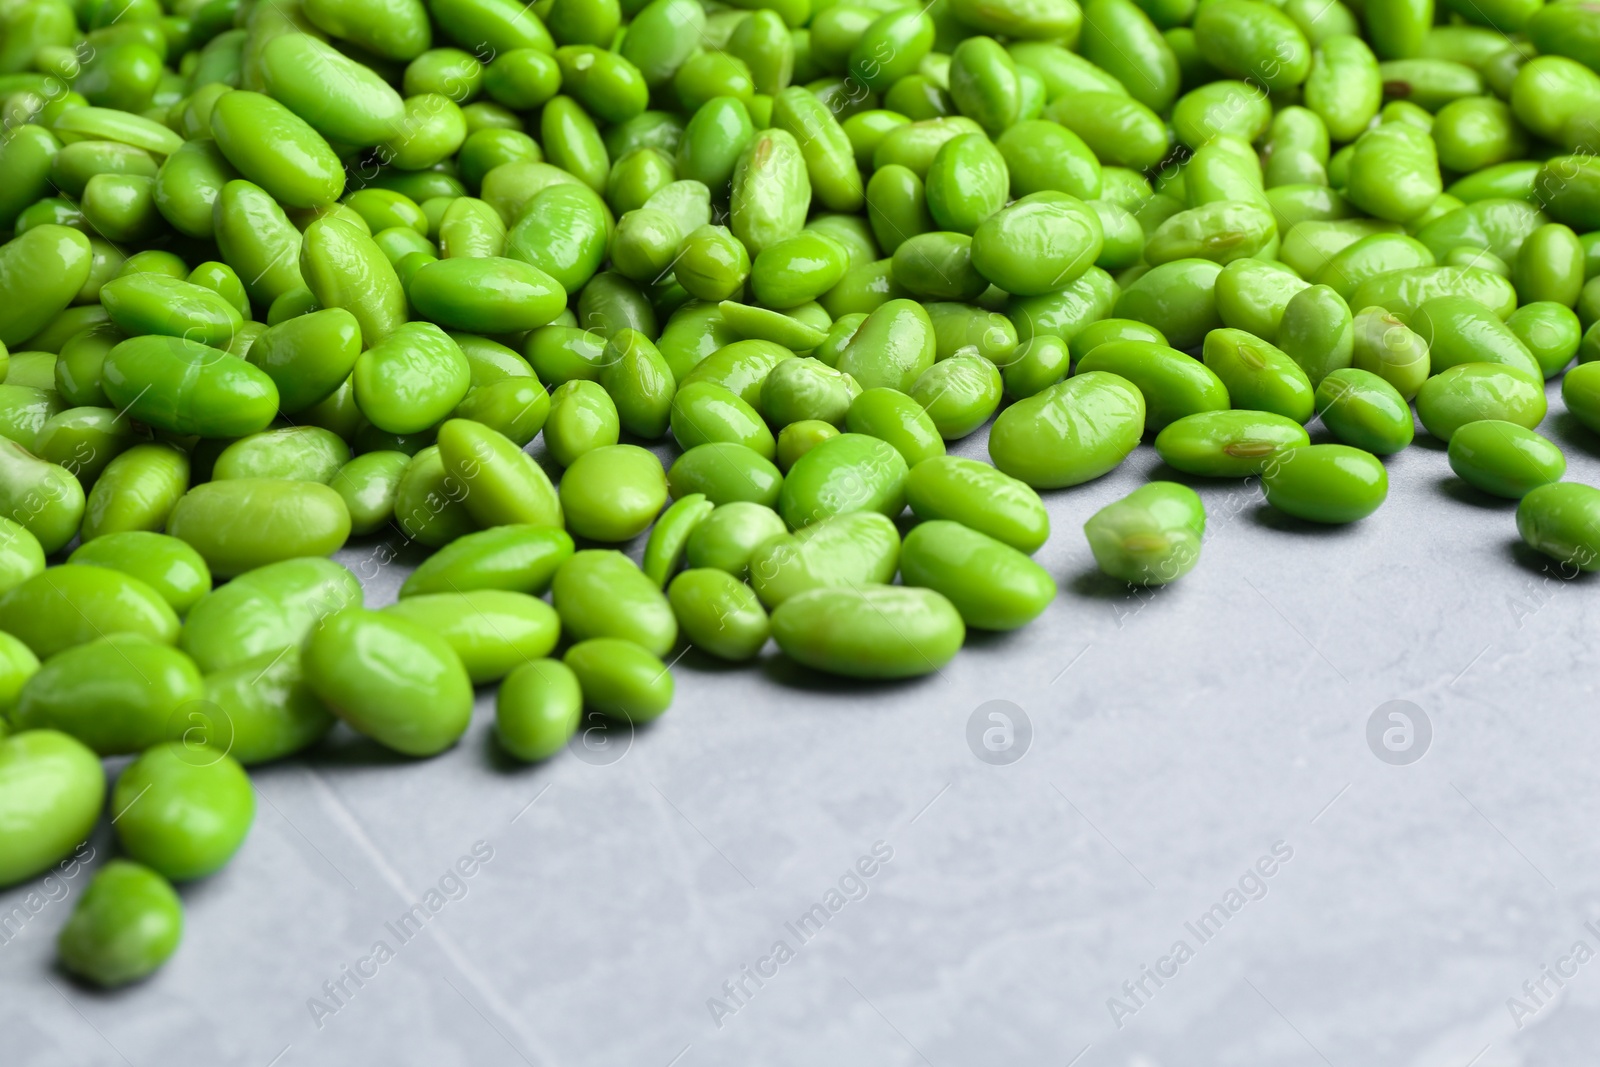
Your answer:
<point x="1178" y="738"/>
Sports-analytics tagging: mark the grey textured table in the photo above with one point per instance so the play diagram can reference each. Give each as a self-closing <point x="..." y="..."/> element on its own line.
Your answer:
<point x="1182" y="743"/>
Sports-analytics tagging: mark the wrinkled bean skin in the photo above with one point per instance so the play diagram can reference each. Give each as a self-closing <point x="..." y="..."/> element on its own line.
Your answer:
<point x="1151" y="536"/>
<point x="1070" y="433"/>
<point x="870" y="631"/>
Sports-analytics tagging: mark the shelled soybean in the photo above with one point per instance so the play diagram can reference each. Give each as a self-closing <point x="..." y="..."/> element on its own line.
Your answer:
<point x="285" y="273"/>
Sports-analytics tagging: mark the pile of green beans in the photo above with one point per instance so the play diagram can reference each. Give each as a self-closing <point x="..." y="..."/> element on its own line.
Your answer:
<point x="284" y="273"/>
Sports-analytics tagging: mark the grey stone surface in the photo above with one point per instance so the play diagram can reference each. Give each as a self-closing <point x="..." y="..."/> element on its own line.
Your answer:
<point x="1178" y="737"/>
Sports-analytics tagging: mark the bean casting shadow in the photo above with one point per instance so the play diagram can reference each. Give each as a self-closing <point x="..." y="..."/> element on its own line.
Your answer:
<point x="1096" y="584"/>
<point x="1470" y="495"/>
<point x="1536" y="562"/>
<point x="1428" y="442"/>
<point x="1568" y="430"/>
<point x="990" y="640"/>
<point x="494" y="758"/>
<point x="782" y="670"/>
<point x="1270" y="518"/>
<point x="343" y="747"/>
<point x="702" y="662"/>
<point x="1163" y="473"/>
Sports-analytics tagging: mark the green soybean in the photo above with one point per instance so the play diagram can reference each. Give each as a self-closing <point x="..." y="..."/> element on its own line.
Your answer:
<point x="724" y="472"/>
<point x="1152" y="536"/>
<point x="116" y="694"/>
<point x="295" y="453"/>
<point x="244" y="523"/>
<point x="1562" y="520"/>
<point x="1070" y="433"/>
<point x="727" y="537"/>
<point x="188" y="388"/>
<point x="845" y="550"/>
<point x="718" y="613"/>
<point x="255" y="711"/>
<point x="703" y="412"/>
<point x="980" y="497"/>
<point x="502" y="485"/>
<point x="1365" y="411"/>
<point x="669" y="538"/>
<point x="892" y="416"/>
<point x="1227" y="444"/>
<point x="1384" y="345"/>
<point x="959" y="394"/>
<point x="1173" y="385"/>
<point x="869" y="631"/>
<point x="52" y="789"/>
<point x="1504" y="459"/>
<point x="1468" y="392"/>
<point x="65" y="606"/>
<point x="613" y="492"/>
<point x="265" y="610"/>
<point x="583" y="417"/>
<point x="125" y="925"/>
<point x="389" y="678"/>
<point x="491" y="630"/>
<point x="991" y="584"/>
<point x="182" y="816"/>
<point x="851" y="472"/>
<point x="1551" y="332"/>
<point x="537" y="709"/>
<point x="1330" y="484"/>
<point x="601" y="593"/>
<point x="167" y="565"/>
<point x="1460" y="330"/>
<point x="620" y="679"/>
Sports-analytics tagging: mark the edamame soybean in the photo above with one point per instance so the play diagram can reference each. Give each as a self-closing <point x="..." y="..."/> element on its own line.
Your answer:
<point x="116" y="694"/>
<point x="1325" y="483"/>
<point x="613" y="493"/>
<point x="65" y="606"/>
<point x="1562" y="520"/>
<point x="1172" y="384"/>
<point x="51" y="791"/>
<point x="1070" y="433"/>
<point x="182" y="816"/>
<point x="746" y="266"/>
<point x="1227" y="444"/>
<point x="601" y="593"/>
<point x="125" y="925"/>
<point x="537" y="709"/>
<point x="1505" y="459"/>
<point x="620" y="679"/>
<point x="991" y="584"/>
<point x="1364" y="411"/>
<point x="869" y="631"/>
<point x="492" y="630"/>
<point x="167" y="565"/>
<point x="726" y="538"/>
<point x="244" y="523"/>
<point x="719" y="614"/>
<point x="1468" y="392"/>
<point x="851" y="472"/>
<point x="256" y="711"/>
<point x="516" y="558"/>
<point x="1152" y="536"/>
<point x="389" y="678"/>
